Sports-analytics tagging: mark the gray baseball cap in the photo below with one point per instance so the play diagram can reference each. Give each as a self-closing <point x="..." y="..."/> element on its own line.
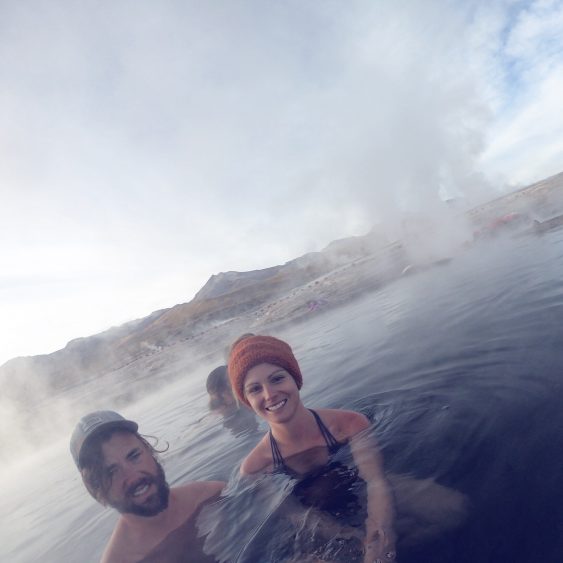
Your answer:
<point x="91" y="425"/>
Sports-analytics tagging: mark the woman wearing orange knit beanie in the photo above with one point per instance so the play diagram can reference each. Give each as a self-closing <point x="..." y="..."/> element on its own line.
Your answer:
<point x="266" y="376"/>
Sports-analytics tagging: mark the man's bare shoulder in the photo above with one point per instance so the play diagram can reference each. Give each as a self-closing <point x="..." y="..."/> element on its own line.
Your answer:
<point x="193" y="494"/>
<point x="130" y="543"/>
<point x="258" y="460"/>
<point x="119" y="548"/>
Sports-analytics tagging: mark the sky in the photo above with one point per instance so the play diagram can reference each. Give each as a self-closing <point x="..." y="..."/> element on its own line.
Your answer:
<point x="145" y="146"/>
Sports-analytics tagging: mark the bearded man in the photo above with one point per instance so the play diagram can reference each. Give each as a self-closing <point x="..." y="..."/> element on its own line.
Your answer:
<point x="120" y="469"/>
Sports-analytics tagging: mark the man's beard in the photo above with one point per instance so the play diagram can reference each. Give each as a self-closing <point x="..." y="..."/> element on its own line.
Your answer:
<point x="154" y="504"/>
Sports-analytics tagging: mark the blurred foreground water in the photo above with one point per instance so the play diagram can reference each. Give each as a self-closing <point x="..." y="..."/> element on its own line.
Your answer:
<point x="460" y="367"/>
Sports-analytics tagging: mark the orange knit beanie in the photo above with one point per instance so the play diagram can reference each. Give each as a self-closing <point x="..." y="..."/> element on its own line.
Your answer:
<point x="251" y="351"/>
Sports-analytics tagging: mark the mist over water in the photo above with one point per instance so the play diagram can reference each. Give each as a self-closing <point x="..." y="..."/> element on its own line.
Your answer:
<point x="458" y="366"/>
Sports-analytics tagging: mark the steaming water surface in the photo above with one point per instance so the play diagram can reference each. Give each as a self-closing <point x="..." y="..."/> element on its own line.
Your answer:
<point x="460" y="369"/>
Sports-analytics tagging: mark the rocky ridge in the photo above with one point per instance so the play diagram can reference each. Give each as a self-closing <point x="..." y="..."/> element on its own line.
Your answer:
<point x="128" y="361"/>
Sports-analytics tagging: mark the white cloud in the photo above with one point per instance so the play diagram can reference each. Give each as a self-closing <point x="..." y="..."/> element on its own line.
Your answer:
<point x="526" y="137"/>
<point x="147" y="147"/>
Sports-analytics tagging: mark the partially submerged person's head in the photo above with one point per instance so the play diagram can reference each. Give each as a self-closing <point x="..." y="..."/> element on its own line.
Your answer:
<point x="119" y="467"/>
<point x="219" y="390"/>
<point x="264" y="355"/>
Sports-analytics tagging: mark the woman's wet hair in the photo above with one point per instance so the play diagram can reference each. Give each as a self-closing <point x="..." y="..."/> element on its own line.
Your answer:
<point x="94" y="474"/>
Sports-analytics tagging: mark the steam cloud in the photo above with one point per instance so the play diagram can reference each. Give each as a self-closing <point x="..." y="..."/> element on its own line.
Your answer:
<point x="146" y="147"/>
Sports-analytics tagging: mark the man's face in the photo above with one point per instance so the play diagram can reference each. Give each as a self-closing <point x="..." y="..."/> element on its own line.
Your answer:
<point x="137" y="482"/>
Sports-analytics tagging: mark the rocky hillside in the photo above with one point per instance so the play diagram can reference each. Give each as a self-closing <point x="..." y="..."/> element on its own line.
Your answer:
<point x="41" y="395"/>
<point x="262" y="296"/>
<point x="225" y="296"/>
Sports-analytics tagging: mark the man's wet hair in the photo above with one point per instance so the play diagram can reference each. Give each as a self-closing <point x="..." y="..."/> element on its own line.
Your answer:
<point x="218" y="381"/>
<point x="93" y="468"/>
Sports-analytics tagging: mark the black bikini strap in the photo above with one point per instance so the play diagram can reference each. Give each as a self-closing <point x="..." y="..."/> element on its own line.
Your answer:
<point x="276" y="454"/>
<point x="330" y="440"/>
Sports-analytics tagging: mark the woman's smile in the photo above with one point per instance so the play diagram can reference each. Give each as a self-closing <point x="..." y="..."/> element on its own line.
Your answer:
<point x="276" y="406"/>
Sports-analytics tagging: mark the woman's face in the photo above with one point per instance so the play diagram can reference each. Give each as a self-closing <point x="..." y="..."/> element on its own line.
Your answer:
<point x="271" y="392"/>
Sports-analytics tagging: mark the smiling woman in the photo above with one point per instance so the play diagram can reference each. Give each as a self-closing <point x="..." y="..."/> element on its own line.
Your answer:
<point x="302" y="444"/>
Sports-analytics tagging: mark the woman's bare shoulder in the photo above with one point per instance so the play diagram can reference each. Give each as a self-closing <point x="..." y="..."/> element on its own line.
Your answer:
<point x="258" y="460"/>
<point x="343" y="423"/>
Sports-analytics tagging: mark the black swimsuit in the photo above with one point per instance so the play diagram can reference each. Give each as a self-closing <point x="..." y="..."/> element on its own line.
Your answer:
<point x="334" y="487"/>
<point x="332" y="444"/>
